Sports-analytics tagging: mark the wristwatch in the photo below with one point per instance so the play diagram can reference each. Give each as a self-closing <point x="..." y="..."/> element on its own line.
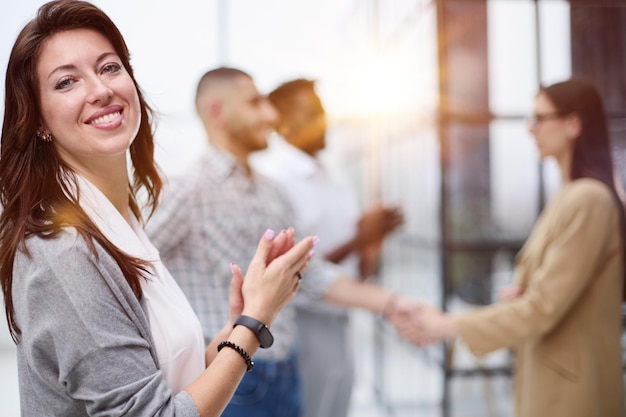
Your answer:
<point x="260" y="330"/>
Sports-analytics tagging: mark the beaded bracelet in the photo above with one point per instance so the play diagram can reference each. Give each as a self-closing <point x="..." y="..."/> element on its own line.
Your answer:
<point x="239" y="350"/>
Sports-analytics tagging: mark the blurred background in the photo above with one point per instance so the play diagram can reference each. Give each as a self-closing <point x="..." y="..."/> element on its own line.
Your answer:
<point x="427" y="101"/>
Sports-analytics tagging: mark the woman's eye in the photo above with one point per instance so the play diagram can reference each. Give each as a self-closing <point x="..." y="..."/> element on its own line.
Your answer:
<point x="111" y="68"/>
<point x="65" y="83"/>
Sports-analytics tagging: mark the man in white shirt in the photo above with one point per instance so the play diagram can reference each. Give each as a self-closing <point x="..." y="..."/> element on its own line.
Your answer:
<point x="327" y="205"/>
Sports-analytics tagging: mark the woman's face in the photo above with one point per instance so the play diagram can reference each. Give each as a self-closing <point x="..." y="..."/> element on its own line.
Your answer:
<point x="551" y="131"/>
<point x="88" y="101"/>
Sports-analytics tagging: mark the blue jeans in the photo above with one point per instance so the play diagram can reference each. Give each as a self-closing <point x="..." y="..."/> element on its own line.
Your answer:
<point x="271" y="389"/>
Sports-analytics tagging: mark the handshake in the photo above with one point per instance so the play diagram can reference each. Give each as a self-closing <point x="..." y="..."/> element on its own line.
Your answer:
<point x="419" y="322"/>
<point x="423" y="324"/>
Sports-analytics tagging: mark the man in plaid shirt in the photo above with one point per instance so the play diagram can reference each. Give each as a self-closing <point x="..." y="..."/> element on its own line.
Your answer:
<point x="213" y="215"/>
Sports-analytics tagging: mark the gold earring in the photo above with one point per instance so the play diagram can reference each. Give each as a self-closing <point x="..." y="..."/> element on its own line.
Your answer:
<point x="45" y="136"/>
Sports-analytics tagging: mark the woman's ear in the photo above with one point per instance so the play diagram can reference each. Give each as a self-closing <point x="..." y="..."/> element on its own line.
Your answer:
<point x="573" y="125"/>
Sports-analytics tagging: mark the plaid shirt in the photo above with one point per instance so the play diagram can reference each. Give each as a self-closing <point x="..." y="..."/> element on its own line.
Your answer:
<point x="213" y="215"/>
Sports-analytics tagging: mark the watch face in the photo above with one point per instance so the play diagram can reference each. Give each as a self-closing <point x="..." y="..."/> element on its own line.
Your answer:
<point x="265" y="337"/>
<point x="260" y="330"/>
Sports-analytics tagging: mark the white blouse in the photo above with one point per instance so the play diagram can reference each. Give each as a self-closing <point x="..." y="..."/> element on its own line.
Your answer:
<point x="175" y="327"/>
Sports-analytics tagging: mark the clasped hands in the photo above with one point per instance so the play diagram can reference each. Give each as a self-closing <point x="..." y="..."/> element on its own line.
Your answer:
<point x="419" y="322"/>
<point x="423" y="324"/>
<point x="271" y="280"/>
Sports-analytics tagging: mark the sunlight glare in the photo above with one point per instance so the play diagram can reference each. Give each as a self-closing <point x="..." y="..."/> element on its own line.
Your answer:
<point x="388" y="85"/>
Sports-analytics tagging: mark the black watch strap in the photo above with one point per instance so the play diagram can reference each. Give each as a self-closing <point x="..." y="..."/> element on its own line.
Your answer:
<point x="259" y="329"/>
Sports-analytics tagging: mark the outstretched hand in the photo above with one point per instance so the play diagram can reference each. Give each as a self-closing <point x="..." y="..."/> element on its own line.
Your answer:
<point x="399" y="309"/>
<point x="425" y="325"/>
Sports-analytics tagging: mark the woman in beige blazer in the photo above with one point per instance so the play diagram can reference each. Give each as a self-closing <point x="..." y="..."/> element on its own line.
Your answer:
<point x="563" y="317"/>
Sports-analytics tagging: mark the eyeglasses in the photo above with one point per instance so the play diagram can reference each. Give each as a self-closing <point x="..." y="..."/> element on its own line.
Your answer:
<point x="536" y="119"/>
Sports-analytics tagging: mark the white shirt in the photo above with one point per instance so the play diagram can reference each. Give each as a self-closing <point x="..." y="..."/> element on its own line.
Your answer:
<point x="324" y="202"/>
<point x="175" y="328"/>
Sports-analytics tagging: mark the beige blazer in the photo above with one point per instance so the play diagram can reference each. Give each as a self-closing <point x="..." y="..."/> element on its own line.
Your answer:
<point x="566" y="326"/>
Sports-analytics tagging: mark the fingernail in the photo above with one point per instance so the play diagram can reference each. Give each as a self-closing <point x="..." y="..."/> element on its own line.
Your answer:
<point x="311" y="253"/>
<point x="269" y="234"/>
<point x="315" y="240"/>
<point x="232" y="268"/>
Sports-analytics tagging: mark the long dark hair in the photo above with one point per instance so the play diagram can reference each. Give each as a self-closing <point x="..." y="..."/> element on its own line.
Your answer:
<point x="35" y="183"/>
<point x="592" y="156"/>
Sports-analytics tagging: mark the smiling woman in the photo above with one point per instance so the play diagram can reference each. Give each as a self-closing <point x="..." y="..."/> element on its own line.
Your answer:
<point x="89" y="105"/>
<point x="101" y="326"/>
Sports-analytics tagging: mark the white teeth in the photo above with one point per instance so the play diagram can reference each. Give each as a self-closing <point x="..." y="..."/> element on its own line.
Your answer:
<point x="105" y="119"/>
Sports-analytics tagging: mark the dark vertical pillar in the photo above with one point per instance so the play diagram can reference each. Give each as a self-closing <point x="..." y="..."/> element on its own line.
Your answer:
<point x="598" y="39"/>
<point x="463" y="131"/>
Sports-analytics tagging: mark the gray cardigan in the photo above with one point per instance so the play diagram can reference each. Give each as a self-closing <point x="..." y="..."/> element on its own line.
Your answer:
<point x="86" y="348"/>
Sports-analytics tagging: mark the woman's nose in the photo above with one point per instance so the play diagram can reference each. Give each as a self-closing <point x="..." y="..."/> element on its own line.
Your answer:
<point x="98" y="90"/>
